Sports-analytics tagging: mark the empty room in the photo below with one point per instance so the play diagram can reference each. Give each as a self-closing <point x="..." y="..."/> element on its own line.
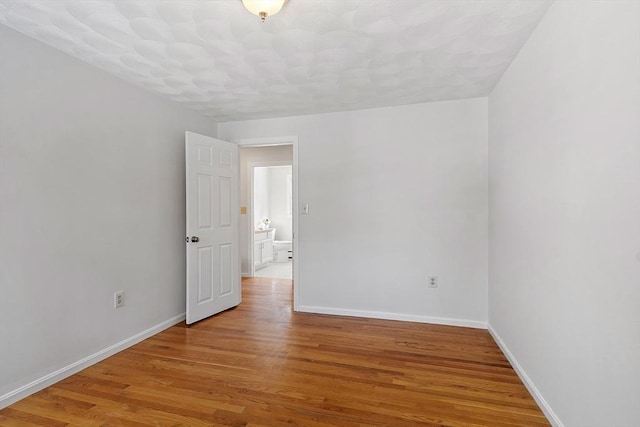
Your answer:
<point x="320" y="213"/>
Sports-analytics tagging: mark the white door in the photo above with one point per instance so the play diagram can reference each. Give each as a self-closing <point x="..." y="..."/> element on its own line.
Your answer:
<point x="213" y="256"/>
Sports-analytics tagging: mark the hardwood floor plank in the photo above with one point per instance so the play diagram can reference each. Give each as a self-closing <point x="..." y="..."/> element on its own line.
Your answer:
<point x="260" y="364"/>
<point x="12" y="416"/>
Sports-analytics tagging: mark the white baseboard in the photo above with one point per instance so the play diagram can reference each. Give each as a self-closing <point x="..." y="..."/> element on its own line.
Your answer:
<point x="537" y="396"/>
<point x="393" y="316"/>
<point x="62" y="373"/>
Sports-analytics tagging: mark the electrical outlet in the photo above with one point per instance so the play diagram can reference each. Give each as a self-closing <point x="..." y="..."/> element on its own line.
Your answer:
<point x="118" y="299"/>
<point x="433" y="281"/>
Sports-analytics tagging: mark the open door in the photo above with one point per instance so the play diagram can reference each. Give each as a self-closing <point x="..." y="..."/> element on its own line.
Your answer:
<point x="213" y="256"/>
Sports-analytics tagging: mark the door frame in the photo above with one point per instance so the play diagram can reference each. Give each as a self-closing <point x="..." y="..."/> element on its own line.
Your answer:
<point x="252" y="218"/>
<point x="274" y="141"/>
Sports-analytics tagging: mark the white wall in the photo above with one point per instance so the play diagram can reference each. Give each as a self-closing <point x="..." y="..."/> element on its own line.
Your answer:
<point x="395" y="194"/>
<point x="280" y="218"/>
<point x="91" y="201"/>
<point x="255" y="155"/>
<point x="270" y="199"/>
<point x="261" y="195"/>
<point x="565" y="212"/>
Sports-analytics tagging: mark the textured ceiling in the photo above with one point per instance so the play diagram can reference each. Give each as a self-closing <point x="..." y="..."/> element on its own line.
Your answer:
<point x="314" y="56"/>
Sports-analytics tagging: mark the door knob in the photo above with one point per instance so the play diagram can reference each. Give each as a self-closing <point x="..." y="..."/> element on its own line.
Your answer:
<point x="195" y="239"/>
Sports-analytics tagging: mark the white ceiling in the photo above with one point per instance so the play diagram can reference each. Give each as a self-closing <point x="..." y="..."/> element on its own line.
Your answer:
<point x="314" y="56"/>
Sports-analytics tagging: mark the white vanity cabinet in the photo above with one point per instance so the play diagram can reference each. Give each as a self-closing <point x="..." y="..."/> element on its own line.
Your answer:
<point x="263" y="247"/>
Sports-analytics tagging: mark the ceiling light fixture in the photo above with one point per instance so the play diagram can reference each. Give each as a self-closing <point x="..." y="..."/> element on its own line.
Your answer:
<point x="263" y="8"/>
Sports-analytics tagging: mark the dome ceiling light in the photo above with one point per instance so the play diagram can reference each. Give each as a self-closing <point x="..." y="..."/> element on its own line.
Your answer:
<point x="263" y="8"/>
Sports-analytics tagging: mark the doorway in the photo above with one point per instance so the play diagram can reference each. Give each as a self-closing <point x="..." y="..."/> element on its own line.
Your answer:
<point x="261" y="154"/>
<point x="272" y="219"/>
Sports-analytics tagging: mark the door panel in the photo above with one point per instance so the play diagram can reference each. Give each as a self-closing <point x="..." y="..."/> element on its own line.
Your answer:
<point x="225" y="192"/>
<point x="204" y="201"/>
<point x="213" y="259"/>
<point x="205" y="270"/>
<point x="226" y="263"/>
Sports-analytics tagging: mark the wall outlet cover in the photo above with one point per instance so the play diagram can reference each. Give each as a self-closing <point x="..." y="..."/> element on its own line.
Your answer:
<point x="433" y="281"/>
<point x="118" y="299"/>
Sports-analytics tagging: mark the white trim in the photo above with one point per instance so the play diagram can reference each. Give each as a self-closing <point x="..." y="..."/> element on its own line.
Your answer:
<point x="284" y="140"/>
<point x="62" y="373"/>
<point x="394" y="316"/>
<point x="269" y="141"/>
<point x="528" y="383"/>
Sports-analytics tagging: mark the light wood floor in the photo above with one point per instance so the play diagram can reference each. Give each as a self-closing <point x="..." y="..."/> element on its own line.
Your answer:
<point x="261" y="364"/>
